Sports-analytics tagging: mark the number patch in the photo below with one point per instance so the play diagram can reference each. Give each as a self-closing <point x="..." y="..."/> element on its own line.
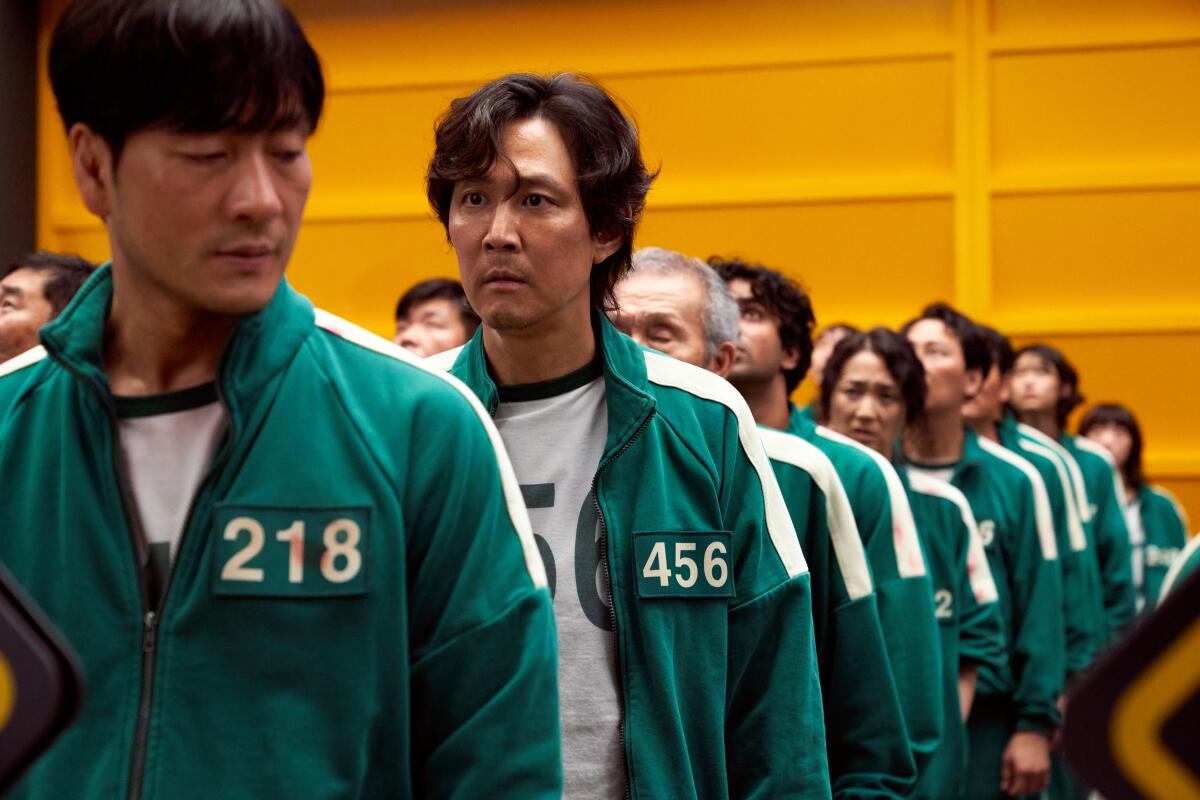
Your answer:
<point x="683" y="564"/>
<point x="283" y="552"/>
<point x="943" y="602"/>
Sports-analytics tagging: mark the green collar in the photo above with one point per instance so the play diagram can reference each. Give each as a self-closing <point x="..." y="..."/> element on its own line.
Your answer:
<point x="627" y="390"/>
<point x="262" y="344"/>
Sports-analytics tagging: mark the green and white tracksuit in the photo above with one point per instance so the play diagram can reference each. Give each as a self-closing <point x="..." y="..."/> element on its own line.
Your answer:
<point x="1184" y="567"/>
<point x="967" y="609"/>
<point x="1165" y="533"/>
<point x="717" y="664"/>
<point x="902" y="585"/>
<point x="1114" y="553"/>
<point x="356" y="607"/>
<point x="869" y="754"/>
<point x="1018" y="533"/>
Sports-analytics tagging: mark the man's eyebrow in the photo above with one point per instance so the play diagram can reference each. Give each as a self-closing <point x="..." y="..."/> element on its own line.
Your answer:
<point x="11" y="291"/>
<point x="538" y="180"/>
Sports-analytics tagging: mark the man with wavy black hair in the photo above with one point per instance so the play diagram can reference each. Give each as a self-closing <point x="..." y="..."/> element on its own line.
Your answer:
<point x="686" y="664"/>
<point x="292" y="559"/>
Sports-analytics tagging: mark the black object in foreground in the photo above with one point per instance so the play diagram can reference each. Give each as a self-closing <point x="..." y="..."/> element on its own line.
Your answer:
<point x="40" y="685"/>
<point x="1133" y="723"/>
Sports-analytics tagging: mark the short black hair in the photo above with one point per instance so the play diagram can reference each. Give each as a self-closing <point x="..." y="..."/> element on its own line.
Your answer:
<point x="782" y="297"/>
<point x="976" y="353"/>
<point x="439" y="289"/>
<point x="1119" y="415"/>
<point x="844" y="328"/>
<point x="185" y="65"/>
<point x="603" y="142"/>
<point x="897" y="355"/>
<point x="64" y="275"/>
<point x="1068" y="378"/>
<point x="1000" y="348"/>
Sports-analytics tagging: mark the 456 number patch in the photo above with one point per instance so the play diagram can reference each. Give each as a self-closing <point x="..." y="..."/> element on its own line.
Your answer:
<point x="288" y="552"/>
<point x="689" y="564"/>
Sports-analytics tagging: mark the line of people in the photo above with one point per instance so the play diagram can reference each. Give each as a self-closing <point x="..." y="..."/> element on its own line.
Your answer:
<point x="295" y="560"/>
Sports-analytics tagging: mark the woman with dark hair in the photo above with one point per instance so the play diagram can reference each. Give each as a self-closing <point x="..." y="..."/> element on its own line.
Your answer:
<point x="1158" y="527"/>
<point x="873" y="386"/>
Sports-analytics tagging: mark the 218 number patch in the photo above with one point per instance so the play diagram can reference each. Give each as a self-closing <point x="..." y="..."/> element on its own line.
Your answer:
<point x="683" y="564"/>
<point x="282" y="552"/>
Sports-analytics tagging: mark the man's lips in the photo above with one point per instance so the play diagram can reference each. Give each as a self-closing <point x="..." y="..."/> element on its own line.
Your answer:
<point x="502" y="277"/>
<point x="248" y="252"/>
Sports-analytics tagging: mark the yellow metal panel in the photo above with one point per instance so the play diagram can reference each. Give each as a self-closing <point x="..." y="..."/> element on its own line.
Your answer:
<point x="1128" y="19"/>
<point x="1098" y="253"/>
<point x="1131" y="107"/>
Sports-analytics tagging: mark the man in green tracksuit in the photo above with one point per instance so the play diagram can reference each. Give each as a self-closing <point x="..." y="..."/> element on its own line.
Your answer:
<point x="868" y="748"/>
<point x="1044" y="390"/>
<point x="687" y="666"/>
<point x="776" y="322"/>
<point x="1016" y="710"/>
<point x="293" y="561"/>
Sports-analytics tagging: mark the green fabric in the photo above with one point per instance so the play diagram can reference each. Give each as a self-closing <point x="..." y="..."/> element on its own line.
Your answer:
<point x="1166" y="535"/>
<point x="989" y="728"/>
<point x="721" y="695"/>
<point x="1074" y="558"/>
<point x="1114" y="553"/>
<point x="970" y="627"/>
<point x="1184" y="567"/>
<point x="413" y="687"/>
<point x="866" y="738"/>
<point x="905" y="603"/>
<point x="1029" y="584"/>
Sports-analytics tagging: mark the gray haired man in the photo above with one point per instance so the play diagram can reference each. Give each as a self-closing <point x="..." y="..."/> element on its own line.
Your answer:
<point x="681" y="306"/>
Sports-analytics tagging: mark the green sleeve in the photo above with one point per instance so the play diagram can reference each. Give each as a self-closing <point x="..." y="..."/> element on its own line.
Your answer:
<point x="1166" y="532"/>
<point x="1038" y="651"/>
<point x="774" y="726"/>
<point x="866" y="738"/>
<point x="1115" y="554"/>
<point x="906" y="613"/>
<point x="481" y="627"/>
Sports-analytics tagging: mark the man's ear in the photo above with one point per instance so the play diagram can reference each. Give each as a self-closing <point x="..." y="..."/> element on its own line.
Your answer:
<point x="607" y="242"/>
<point x="92" y="163"/>
<point x="791" y="357"/>
<point x="722" y="361"/>
<point x="972" y="383"/>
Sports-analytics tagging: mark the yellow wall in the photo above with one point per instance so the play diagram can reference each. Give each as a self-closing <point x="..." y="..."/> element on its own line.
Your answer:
<point x="1037" y="163"/>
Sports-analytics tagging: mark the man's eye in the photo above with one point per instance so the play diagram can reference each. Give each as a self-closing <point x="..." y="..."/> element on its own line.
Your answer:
<point x="535" y="200"/>
<point x="753" y="314"/>
<point x="7" y="305"/>
<point x="209" y="157"/>
<point x="289" y="156"/>
<point x="473" y="198"/>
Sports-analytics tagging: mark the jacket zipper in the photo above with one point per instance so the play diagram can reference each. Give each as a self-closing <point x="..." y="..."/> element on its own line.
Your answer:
<point x="137" y="767"/>
<point x="151" y="609"/>
<point x="612" y="606"/>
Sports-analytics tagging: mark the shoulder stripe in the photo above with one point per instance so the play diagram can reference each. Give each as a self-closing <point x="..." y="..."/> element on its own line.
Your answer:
<point x="843" y="530"/>
<point x="1075" y="532"/>
<point x="1185" y="555"/>
<point x="1102" y="451"/>
<point x="667" y="371"/>
<point x="1043" y="519"/>
<point x="909" y="559"/>
<point x="20" y="362"/>
<point x="979" y="572"/>
<point x="508" y="478"/>
<point x="1081" y="496"/>
<point x="1167" y="495"/>
<point x="444" y="360"/>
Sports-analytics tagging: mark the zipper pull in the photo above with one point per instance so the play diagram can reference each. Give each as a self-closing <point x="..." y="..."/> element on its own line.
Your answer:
<point x="149" y="622"/>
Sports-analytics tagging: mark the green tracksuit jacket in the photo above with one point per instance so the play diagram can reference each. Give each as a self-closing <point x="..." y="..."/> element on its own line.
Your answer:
<point x="1095" y="631"/>
<point x="1165" y="526"/>
<point x="401" y="658"/>
<point x="1074" y="556"/>
<point x="1019" y="539"/>
<point x="902" y="585"/>
<point x="967" y="609"/>
<point x="719" y="678"/>
<point x="867" y="741"/>
<point x="1184" y="567"/>
<point x="1114" y="552"/>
